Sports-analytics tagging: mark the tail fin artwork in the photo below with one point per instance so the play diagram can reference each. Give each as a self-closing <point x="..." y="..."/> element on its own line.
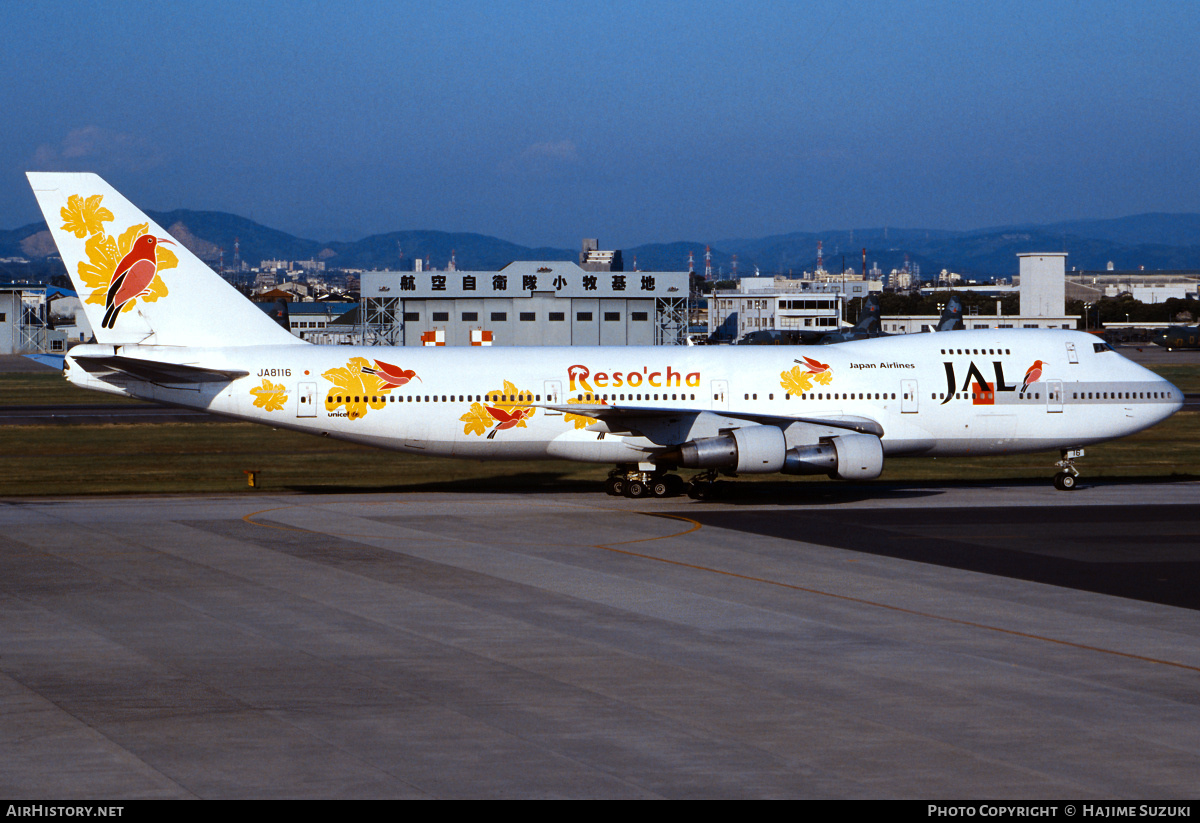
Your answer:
<point x="137" y="284"/>
<point x="951" y="318"/>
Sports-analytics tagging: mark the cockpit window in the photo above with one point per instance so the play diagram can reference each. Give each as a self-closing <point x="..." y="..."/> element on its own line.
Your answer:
<point x="1099" y="347"/>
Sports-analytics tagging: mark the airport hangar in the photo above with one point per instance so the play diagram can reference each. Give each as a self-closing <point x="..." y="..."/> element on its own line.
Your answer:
<point x="527" y="303"/>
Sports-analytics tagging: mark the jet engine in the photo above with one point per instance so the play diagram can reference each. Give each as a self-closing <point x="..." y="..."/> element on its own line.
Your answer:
<point x="752" y="449"/>
<point x="847" y="457"/>
<point x="763" y="449"/>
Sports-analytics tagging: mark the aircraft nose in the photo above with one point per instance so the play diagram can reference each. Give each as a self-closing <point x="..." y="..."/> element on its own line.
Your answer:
<point x="1174" y="395"/>
<point x="1170" y="399"/>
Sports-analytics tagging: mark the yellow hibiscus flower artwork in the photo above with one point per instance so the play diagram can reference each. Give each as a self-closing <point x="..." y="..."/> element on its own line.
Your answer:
<point x="270" y="396"/>
<point x="795" y="381"/>
<point x="355" y="390"/>
<point x="85" y="217"/>
<point x="800" y="378"/>
<point x="501" y="409"/>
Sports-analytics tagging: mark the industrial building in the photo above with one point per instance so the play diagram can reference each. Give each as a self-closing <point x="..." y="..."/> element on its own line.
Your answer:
<point x="1146" y="287"/>
<point x="25" y="325"/>
<point x="548" y="303"/>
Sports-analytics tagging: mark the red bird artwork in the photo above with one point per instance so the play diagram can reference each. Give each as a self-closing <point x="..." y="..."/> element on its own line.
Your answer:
<point x="815" y="366"/>
<point x="506" y="420"/>
<point x="132" y="276"/>
<point x="393" y="376"/>
<point x="1033" y="375"/>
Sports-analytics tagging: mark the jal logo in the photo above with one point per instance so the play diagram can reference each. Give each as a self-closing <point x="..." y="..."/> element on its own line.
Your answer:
<point x="983" y="391"/>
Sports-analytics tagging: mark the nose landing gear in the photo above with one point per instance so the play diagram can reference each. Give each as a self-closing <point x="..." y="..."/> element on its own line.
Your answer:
<point x="1066" y="479"/>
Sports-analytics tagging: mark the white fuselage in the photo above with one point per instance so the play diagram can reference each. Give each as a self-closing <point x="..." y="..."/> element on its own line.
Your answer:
<point x="954" y="393"/>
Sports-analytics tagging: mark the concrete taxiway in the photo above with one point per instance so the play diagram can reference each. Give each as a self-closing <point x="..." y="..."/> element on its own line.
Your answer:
<point x="872" y="641"/>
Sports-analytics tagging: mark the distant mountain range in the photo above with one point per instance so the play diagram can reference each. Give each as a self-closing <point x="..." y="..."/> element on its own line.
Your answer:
<point x="1154" y="241"/>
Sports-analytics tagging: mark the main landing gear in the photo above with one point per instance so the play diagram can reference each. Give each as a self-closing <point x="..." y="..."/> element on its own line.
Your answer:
<point x="625" y="482"/>
<point x="1066" y="479"/>
<point x="647" y="480"/>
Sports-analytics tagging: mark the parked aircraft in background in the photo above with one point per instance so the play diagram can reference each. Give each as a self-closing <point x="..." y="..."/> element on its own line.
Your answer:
<point x="951" y="319"/>
<point x="869" y="325"/>
<point x="1178" y="337"/>
<point x="185" y="337"/>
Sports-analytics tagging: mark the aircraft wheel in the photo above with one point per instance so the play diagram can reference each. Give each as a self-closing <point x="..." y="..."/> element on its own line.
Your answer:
<point x="615" y="486"/>
<point x="698" y="491"/>
<point x="661" y="487"/>
<point x="636" y="488"/>
<point x="676" y="484"/>
<point x="1064" y="481"/>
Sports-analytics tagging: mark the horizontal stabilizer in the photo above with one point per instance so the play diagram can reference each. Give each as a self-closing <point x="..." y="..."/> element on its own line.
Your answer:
<point x="154" y="371"/>
<point x="54" y="361"/>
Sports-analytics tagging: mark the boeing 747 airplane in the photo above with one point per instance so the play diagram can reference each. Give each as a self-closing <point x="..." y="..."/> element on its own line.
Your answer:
<point x="171" y="330"/>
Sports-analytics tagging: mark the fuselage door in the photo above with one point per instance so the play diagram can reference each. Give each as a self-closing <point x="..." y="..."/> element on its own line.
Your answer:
<point x="1054" y="398"/>
<point x="908" y="396"/>
<point x="553" y="395"/>
<point x="720" y="394"/>
<point x="1072" y="355"/>
<point x="306" y="400"/>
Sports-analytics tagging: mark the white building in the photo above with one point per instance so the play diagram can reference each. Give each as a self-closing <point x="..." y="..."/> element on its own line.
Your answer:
<point x="1043" y="284"/>
<point x="760" y="303"/>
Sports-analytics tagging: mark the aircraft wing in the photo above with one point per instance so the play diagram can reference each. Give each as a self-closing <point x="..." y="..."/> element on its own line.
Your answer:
<point x="625" y="418"/>
<point x="154" y="371"/>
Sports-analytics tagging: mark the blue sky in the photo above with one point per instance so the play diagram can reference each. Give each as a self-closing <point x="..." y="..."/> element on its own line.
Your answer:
<point x="545" y="122"/>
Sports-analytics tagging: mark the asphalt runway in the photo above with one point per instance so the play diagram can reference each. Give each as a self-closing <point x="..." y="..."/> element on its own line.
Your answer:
<point x="915" y="641"/>
<point x="91" y="414"/>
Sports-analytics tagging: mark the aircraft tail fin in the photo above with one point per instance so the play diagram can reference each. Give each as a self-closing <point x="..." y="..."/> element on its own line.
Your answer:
<point x="139" y="285"/>
<point x="870" y="320"/>
<point x="951" y="318"/>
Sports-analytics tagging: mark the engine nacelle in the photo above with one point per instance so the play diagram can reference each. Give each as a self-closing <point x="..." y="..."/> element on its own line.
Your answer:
<point x="818" y="458"/>
<point x="763" y="449"/>
<point x="848" y="456"/>
<point x="751" y="449"/>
